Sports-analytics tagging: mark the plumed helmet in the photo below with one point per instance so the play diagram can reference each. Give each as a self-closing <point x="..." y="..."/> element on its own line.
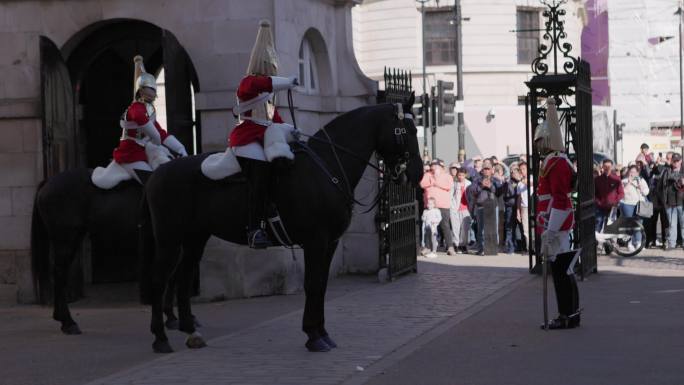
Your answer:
<point x="549" y="132"/>
<point x="263" y="60"/>
<point x="142" y="78"/>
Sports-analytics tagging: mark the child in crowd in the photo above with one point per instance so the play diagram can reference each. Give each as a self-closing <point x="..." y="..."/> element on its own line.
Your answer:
<point x="431" y="219"/>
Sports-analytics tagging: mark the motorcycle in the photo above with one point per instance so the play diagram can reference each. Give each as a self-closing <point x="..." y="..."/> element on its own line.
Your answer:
<point x="617" y="236"/>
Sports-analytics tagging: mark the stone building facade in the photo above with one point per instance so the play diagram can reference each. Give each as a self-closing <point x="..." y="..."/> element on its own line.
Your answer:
<point x="494" y="69"/>
<point x="67" y="66"/>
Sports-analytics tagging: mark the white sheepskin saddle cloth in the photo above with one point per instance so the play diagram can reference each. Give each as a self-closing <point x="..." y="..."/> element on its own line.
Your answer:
<point x="109" y="177"/>
<point x="224" y="164"/>
<point x="112" y="175"/>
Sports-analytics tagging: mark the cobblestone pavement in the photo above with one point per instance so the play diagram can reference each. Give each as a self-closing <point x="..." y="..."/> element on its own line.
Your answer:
<point x="651" y="259"/>
<point x="367" y="324"/>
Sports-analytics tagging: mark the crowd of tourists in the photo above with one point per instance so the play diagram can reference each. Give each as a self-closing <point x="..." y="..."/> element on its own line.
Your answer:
<point x="658" y="180"/>
<point x="455" y="200"/>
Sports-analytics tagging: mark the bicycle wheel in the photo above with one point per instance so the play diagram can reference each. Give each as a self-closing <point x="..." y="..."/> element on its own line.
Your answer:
<point x="624" y="245"/>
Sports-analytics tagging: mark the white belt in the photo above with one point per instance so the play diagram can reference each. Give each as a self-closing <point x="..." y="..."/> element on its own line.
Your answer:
<point x="546" y="197"/>
<point x="249" y="104"/>
<point x="260" y="122"/>
<point x="140" y="142"/>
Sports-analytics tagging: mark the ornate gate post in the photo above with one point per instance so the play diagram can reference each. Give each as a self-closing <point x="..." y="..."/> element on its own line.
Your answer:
<point x="571" y="87"/>
<point x="397" y="216"/>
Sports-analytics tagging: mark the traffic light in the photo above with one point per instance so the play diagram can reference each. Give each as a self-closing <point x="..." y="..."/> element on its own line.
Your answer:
<point x="618" y="131"/>
<point x="420" y="112"/>
<point x="445" y="103"/>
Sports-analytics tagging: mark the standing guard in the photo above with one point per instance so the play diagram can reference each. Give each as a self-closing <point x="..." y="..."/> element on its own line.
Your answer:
<point x="261" y="136"/>
<point x="143" y="145"/>
<point x="555" y="218"/>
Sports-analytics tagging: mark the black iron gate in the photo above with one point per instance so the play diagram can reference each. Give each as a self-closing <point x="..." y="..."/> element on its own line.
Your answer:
<point x="397" y="215"/>
<point x="572" y="91"/>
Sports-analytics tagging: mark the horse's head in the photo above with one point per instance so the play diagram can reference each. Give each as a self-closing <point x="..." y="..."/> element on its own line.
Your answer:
<point x="398" y="144"/>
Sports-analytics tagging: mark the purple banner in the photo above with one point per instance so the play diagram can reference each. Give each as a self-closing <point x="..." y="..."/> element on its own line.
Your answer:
<point x="595" y="50"/>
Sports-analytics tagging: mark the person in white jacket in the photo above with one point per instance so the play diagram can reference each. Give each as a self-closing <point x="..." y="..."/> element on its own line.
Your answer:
<point x="636" y="190"/>
<point x="459" y="214"/>
<point x="431" y="219"/>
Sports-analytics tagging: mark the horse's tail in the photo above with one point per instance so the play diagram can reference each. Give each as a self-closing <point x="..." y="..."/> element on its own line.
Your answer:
<point x="40" y="253"/>
<point x="146" y="251"/>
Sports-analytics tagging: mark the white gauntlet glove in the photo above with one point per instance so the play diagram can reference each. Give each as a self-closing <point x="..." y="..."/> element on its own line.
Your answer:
<point x="550" y="244"/>
<point x="281" y="83"/>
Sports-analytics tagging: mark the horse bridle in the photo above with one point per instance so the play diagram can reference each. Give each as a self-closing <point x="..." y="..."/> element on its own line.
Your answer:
<point x="400" y="137"/>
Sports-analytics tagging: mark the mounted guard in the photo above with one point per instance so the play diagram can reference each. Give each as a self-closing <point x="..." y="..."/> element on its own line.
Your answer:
<point x="261" y="135"/>
<point x="555" y="219"/>
<point x="144" y="143"/>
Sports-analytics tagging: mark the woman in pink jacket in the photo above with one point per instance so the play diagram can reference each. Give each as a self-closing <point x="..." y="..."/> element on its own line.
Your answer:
<point x="437" y="184"/>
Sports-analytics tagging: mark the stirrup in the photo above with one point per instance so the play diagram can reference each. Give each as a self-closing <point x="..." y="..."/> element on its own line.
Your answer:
<point x="257" y="239"/>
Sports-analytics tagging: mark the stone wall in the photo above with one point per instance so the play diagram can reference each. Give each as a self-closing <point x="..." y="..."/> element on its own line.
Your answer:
<point x="218" y="36"/>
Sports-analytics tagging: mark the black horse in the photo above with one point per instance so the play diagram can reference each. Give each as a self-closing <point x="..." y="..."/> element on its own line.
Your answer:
<point x="68" y="207"/>
<point x="314" y="204"/>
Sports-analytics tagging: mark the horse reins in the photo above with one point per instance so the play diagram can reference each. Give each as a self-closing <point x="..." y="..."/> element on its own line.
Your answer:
<point x="399" y="133"/>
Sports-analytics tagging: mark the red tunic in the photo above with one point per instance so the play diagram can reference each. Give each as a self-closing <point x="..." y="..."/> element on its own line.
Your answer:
<point x="248" y="131"/>
<point x="129" y="151"/>
<point x="553" y="192"/>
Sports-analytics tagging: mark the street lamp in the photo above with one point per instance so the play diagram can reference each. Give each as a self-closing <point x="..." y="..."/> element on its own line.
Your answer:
<point x="424" y="97"/>
<point x="681" y="82"/>
<point x="458" y="19"/>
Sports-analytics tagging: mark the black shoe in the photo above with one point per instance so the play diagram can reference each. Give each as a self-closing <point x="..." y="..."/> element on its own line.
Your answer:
<point x="481" y="252"/>
<point x="257" y="239"/>
<point x="563" y="322"/>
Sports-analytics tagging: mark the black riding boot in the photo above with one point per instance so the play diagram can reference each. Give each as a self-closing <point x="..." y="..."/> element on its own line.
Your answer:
<point x="258" y="180"/>
<point x="567" y="294"/>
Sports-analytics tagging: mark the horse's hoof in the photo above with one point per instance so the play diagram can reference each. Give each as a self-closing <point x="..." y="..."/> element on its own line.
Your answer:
<point x="329" y="341"/>
<point x="161" y="347"/>
<point x="71" y="330"/>
<point x="195" y="341"/>
<point x="317" y="345"/>
<point x="196" y="322"/>
<point x="172" y="324"/>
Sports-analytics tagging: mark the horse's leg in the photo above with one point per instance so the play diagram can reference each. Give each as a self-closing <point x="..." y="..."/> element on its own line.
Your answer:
<point x="328" y="260"/>
<point x="169" y="297"/>
<point x="165" y="261"/>
<point x="316" y="264"/>
<point x="192" y="252"/>
<point x="64" y="256"/>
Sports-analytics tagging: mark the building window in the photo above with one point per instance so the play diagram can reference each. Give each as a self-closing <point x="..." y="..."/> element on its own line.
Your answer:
<point x="308" y="72"/>
<point x="528" y="41"/>
<point x="440" y="38"/>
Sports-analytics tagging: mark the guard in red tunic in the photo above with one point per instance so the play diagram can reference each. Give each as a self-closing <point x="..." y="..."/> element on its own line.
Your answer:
<point x="261" y="135"/>
<point x="555" y="217"/>
<point x="143" y="144"/>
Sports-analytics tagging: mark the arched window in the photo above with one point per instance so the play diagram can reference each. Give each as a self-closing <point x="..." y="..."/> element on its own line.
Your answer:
<point x="308" y="70"/>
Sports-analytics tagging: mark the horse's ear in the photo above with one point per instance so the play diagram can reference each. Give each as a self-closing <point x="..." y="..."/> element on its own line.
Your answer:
<point x="408" y="105"/>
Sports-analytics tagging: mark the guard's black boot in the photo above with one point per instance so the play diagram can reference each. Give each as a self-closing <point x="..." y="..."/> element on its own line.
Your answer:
<point x="567" y="294"/>
<point x="258" y="173"/>
<point x="562" y="322"/>
<point x="282" y="165"/>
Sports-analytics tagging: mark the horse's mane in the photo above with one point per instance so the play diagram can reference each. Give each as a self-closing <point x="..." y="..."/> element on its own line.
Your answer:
<point x="366" y="114"/>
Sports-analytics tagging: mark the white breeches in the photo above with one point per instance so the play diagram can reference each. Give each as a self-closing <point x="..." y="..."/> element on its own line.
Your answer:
<point x="140" y="165"/>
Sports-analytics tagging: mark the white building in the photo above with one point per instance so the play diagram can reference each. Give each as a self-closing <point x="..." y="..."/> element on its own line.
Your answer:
<point x="496" y="61"/>
<point x="644" y="72"/>
<point x="66" y="73"/>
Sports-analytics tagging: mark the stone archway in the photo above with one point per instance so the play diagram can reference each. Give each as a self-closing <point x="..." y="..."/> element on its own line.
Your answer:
<point x="95" y="67"/>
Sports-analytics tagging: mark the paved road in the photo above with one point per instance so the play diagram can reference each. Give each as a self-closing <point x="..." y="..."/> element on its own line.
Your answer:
<point x="251" y="341"/>
<point x="461" y="320"/>
<point x="631" y="335"/>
